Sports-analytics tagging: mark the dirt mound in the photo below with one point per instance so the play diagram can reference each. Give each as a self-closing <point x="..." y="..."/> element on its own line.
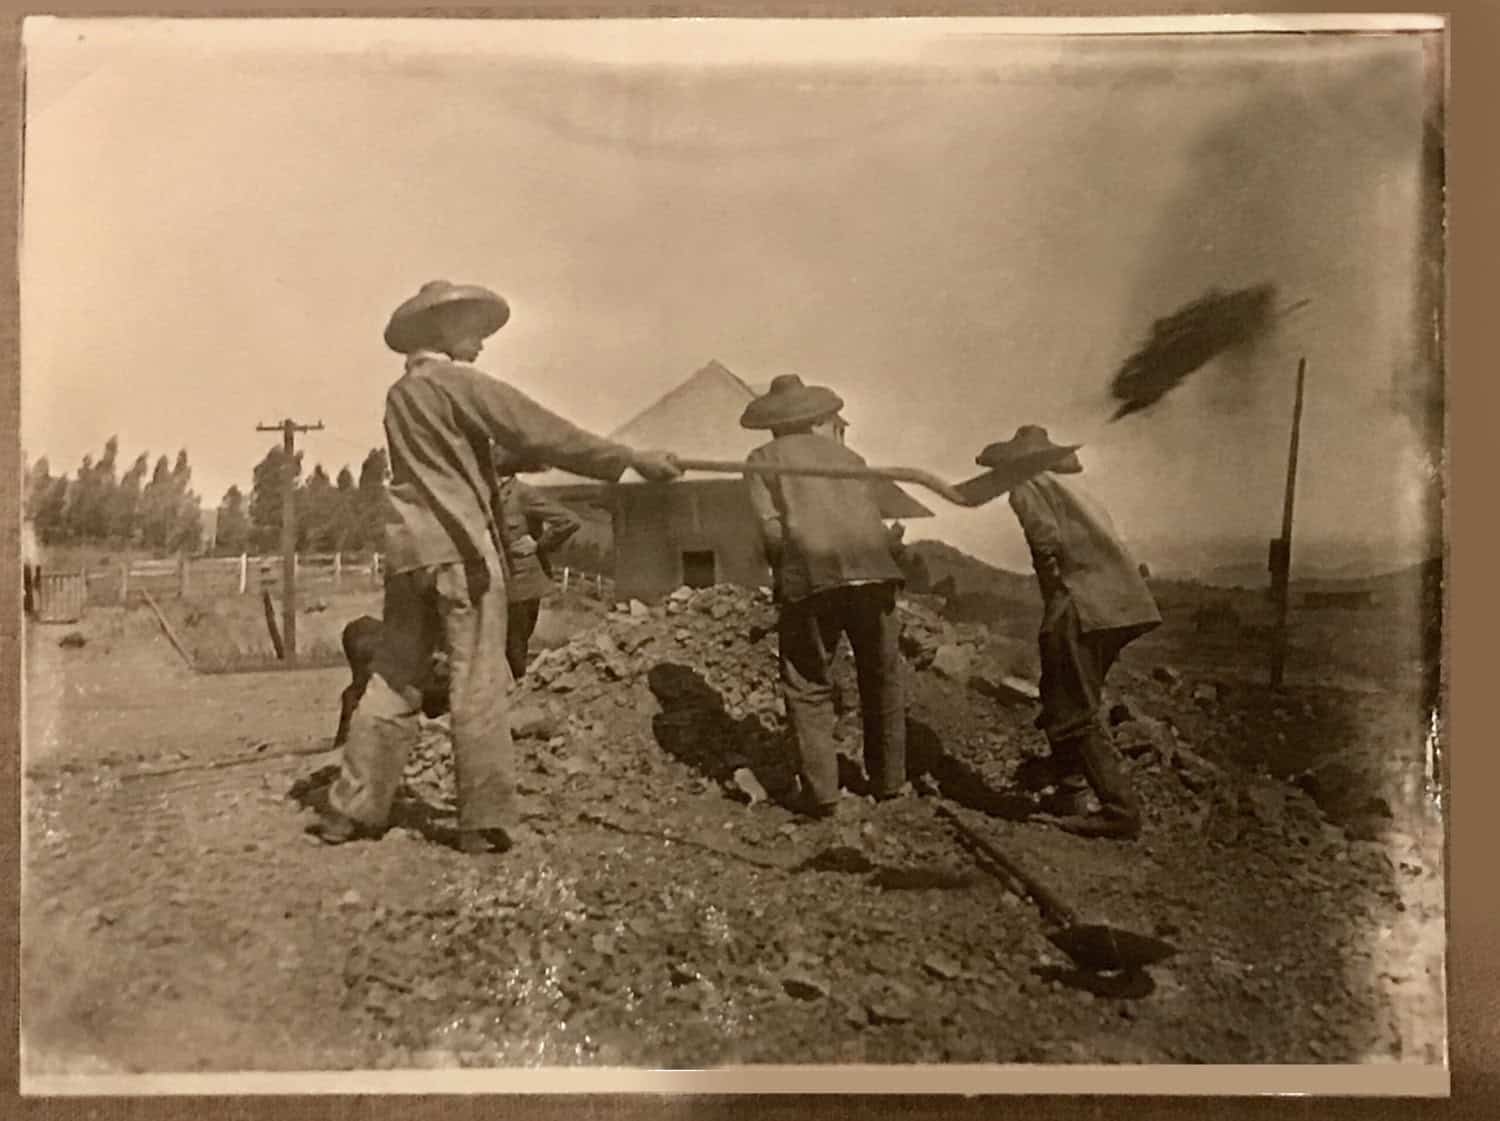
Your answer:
<point x="702" y="665"/>
<point x="687" y="691"/>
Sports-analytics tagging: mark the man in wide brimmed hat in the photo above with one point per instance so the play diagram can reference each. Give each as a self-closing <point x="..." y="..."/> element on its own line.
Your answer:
<point x="445" y="425"/>
<point x="1095" y="602"/>
<point x="834" y="574"/>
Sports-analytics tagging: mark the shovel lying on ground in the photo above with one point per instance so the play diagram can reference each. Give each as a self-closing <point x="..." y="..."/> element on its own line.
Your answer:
<point x="971" y="492"/>
<point x="1092" y="946"/>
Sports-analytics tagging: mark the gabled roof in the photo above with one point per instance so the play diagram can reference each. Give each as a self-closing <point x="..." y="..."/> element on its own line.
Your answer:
<point x="697" y="420"/>
<point x="700" y="420"/>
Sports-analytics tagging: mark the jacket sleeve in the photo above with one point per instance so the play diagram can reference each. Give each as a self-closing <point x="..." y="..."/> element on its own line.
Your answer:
<point x="1043" y="535"/>
<point x="1038" y="522"/>
<point x="551" y="523"/>
<point x="523" y="431"/>
<point x="773" y="532"/>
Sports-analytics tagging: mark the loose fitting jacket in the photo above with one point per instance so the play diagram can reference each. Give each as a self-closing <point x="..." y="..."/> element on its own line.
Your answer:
<point x="443" y="422"/>
<point x="1100" y="575"/>
<point x="819" y="533"/>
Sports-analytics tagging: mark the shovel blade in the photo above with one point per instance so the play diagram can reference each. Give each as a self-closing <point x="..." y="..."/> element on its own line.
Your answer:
<point x="1105" y="948"/>
<point x="983" y="488"/>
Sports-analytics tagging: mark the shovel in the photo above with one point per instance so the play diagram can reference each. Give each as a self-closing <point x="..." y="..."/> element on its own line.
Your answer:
<point x="971" y="492"/>
<point x="1095" y="947"/>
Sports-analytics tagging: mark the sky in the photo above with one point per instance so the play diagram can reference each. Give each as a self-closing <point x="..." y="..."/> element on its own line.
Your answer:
<point x="960" y="230"/>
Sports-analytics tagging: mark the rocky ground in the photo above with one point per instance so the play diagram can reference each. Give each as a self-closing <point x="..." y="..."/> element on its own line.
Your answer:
<point x="664" y="909"/>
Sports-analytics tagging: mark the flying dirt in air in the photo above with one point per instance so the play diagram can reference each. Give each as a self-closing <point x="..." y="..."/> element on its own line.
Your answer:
<point x="1183" y="342"/>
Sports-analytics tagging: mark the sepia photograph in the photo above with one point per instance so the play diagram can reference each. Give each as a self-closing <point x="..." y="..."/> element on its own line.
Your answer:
<point x="905" y="551"/>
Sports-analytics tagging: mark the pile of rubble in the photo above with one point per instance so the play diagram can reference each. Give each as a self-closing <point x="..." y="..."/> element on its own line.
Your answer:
<point x="694" y="680"/>
<point x="649" y="915"/>
<point x="708" y="656"/>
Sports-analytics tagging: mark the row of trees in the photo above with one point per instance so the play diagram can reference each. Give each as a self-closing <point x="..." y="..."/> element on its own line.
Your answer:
<point x="332" y="515"/>
<point x="155" y="508"/>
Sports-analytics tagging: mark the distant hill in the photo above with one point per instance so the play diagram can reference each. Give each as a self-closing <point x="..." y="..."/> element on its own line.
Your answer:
<point x="972" y="576"/>
<point x="1402" y="584"/>
<point x="1346" y="577"/>
<point x="981" y="587"/>
<point x="1240" y="563"/>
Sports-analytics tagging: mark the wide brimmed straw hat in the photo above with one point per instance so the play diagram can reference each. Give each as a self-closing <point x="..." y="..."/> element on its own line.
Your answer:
<point x="1030" y="450"/>
<point x="788" y="402"/>
<point x="443" y="307"/>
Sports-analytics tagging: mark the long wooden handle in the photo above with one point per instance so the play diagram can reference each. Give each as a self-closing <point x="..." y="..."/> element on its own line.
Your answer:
<point x="895" y="474"/>
<point x="1055" y="909"/>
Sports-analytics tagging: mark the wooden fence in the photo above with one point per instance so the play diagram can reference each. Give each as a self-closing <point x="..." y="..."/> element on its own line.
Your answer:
<point x="60" y="597"/>
<point x="318" y="574"/>
<point x="587" y="583"/>
<point x="212" y="577"/>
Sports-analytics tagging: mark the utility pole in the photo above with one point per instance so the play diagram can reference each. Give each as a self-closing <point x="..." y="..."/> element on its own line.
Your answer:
<point x="1281" y="548"/>
<point x="289" y="430"/>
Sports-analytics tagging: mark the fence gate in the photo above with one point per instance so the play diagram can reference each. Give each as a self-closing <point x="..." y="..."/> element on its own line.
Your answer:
<point x="61" y="597"/>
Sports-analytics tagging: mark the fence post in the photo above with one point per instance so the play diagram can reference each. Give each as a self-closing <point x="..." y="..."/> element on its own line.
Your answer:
<point x="125" y="583"/>
<point x="244" y="573"/>
<point x="182" y="576"/>
<point x="338" y="569"/>
<point x="565" y="579"/>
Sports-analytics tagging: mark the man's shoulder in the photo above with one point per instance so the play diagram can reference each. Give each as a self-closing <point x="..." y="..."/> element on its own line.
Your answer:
<point x="768" y="450"/>
<point x="447" y="369"/>
<point x="441" y="368"/>
<point x="806" y="446"/>
<point x="1024" y="492"/>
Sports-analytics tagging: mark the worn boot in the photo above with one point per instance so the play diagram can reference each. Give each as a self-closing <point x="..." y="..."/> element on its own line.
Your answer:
<point x="1119" y="813"/>
<point x="1069" y="799"/>
<point x="334" y="828"/>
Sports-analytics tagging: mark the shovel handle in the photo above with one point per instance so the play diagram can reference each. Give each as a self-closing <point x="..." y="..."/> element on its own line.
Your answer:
<point x="1054" y="908"/>
<point x="896" y="474"/>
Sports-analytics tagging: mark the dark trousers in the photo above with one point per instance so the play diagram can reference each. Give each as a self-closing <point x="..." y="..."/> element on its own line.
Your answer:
<point x="461" y="611"/>
<point x="519" y="627"/>
<point x="1074" y="666"/>
<point x="809" y="634"/>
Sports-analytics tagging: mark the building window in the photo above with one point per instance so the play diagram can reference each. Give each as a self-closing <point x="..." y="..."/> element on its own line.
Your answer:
<point x="699" y="569"/>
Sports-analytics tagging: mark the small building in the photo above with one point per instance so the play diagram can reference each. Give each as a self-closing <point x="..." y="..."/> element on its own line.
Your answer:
<point x="701" y="529"/>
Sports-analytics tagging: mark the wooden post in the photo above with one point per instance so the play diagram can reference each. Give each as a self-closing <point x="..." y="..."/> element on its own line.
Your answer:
<point x="244" y="573"/>
<point x="289" y="544"/>
<point x="565" y="579"/>
<point x="338" y="570"/>
<point x="125" y="583"/>
<point x="289" y="429"/>
<point x="167" y="630"/>
<point x="265" y="599"/>
<point x="1281" y="556"/>
<point x="182" y="576"/>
